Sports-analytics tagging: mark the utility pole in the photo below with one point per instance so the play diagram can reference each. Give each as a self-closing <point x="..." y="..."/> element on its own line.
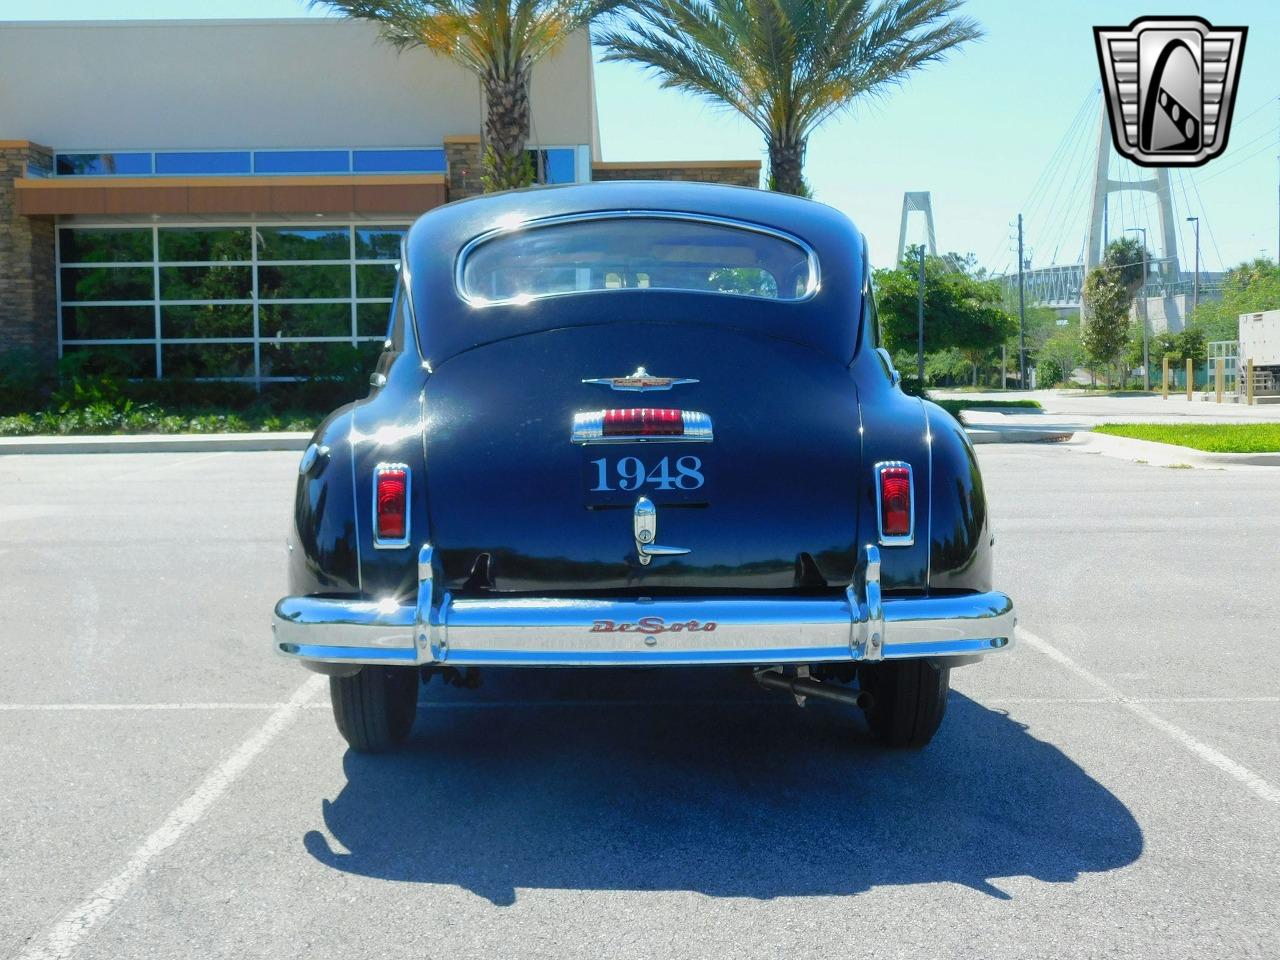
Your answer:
<point x="1195" y="291"/>
<point x="1022" y="316"/>
<point x="920" y="325"/>
<point x="1146" y="358"/>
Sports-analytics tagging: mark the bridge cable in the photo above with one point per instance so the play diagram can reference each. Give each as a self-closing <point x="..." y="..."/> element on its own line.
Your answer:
<point x="1222" y="264"/>
<point x="1241" y="160"/>
<point x="1182" y="186"/>
<point x="1075" y="159"/>
<point x="1041" y="181"/>
<point x="1070" y="198"/>
<point x="1064" y="159"/>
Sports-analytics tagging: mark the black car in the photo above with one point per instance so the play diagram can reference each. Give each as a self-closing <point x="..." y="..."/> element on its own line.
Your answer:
<point x="639" y="424"/>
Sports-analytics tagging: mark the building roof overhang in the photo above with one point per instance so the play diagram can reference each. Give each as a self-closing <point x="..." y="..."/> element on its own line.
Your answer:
<point x="241" y="195"/>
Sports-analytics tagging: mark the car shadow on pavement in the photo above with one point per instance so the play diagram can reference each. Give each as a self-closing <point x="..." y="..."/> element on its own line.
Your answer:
<point x="695" y="780"/>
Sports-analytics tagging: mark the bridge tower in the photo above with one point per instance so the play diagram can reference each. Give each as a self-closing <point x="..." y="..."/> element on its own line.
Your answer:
<point x="916" y="202"/>
<point x="1167" y="269"/>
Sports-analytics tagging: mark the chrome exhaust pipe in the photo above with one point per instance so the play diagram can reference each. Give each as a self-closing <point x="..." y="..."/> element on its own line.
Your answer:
<point x="808" y="687"/>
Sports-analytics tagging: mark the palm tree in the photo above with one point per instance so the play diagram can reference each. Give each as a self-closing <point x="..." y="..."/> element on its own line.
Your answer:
<point x="786" y="65"/>
<point x="499" y="41"/>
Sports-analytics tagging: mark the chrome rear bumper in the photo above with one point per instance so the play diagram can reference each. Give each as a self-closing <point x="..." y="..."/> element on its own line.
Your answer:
<point x="642" y="631"/>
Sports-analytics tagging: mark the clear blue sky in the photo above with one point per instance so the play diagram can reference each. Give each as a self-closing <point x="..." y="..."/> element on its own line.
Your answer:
<point x="979" y="131"/>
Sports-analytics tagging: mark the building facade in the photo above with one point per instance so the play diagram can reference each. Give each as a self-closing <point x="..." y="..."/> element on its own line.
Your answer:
<point x="225" y="199"/>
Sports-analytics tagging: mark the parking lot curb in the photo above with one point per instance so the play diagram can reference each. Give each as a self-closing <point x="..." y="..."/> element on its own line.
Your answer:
<point x="985" y="434"/>
<point x="157" y="443"/>
<point x="1167" y="454"/>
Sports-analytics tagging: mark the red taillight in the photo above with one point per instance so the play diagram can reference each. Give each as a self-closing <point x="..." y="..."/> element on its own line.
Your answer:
<point x="895" y="501"/>
<point x="392" y="509"/>
<point x="643" y="422"/>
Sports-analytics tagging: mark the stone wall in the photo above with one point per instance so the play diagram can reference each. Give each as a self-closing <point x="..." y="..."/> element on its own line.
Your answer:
<point x="463" y="156"/>
<point x="741" y="173"/>
<point x="28" y="308"/>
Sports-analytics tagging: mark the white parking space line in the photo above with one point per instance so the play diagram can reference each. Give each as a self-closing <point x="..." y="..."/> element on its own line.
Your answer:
<point x="1095" y="700"/>
<point x="1239" y="772"/>
<point x="72" y="930"/>
<point x="108" y="707"/>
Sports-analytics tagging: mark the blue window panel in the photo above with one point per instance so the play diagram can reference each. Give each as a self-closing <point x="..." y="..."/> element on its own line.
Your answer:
<point x="223" y="161"/>
<point x="302" y="161"/>
<point x="399" y="161"/>
<point x="559" y="165"/>
<point x="103" y="164"/>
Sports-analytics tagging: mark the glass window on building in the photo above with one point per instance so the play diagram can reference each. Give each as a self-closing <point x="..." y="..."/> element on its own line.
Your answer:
<point x="399" y="161"/>
<point x="102" y="164"/>
<point x="226" y="301"/>
<point x="302" y="161"/>
<point x="209" y="162"/>
<point x="554" y="165"/>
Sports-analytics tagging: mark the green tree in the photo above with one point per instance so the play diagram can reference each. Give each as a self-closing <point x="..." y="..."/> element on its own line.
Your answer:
<point x="499" y="41"/>
<point x="1106" y="331"/>
<point x="1248" y="288"/>
<point x="1060" y="354"/>
<point x="1127" y="256"/>
<point x="787" y="65"/>
<point x="961" y="312"/>
<point x="1191" y="344"/>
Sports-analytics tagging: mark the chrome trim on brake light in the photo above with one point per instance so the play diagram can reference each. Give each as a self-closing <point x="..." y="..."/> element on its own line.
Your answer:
<point x="588" y="428"/>
<point x="909" y="538"/>
<point x="402" y="542"/>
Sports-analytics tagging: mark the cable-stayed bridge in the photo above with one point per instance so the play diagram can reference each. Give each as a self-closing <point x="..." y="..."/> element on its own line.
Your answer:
<point x="1087" y="196"/>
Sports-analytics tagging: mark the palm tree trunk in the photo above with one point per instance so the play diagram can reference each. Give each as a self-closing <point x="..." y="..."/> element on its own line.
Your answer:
<point x="506" y="128"/>
<point x="786" y="164"/>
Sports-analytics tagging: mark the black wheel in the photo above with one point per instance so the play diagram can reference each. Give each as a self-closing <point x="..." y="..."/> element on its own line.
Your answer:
<point x="375" y="709"/>
<point x="909" y="698"/>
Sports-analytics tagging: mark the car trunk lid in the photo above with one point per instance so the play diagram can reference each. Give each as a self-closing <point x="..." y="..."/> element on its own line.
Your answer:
<point x="539" y="448"/>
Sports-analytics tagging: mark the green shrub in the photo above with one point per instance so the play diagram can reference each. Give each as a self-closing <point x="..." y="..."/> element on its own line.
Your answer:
<point x="1049" y="373"/>
<point x="24" y="380"/>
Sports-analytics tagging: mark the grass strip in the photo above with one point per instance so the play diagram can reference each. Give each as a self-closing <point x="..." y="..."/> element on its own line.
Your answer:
<point x="1210" y="437"/>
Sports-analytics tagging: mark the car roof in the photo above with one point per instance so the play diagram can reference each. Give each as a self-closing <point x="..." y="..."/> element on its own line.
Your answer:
<point x="433" y="245"/>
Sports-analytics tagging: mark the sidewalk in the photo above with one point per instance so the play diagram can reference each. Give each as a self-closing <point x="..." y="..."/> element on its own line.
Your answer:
<point x="1079" y="412"/>
<point x="156" y="443"/>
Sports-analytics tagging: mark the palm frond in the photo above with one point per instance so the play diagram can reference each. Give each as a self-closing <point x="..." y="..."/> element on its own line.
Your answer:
<point x="490" y="37"/>
<point x="787" y="65"/>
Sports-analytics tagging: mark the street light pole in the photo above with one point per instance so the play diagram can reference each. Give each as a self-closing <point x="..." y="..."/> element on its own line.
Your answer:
<point x="920" y="326"/>
<point x="1022" y="317"/>
<point x="1195" y="294"/>
<point x="1146" y="357"/>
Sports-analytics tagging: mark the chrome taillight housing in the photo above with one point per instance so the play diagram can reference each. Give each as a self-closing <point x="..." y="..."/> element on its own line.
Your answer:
<point x="895" y="503"/>
<point x="391" y="505"/>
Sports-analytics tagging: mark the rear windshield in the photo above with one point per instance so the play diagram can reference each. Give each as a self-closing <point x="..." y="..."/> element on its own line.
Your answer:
<point x="628" y="253"/>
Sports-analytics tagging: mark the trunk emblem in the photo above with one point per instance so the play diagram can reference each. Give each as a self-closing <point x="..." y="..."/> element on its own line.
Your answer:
<point x="645" y="528"/>
<point x="641" y="382"/>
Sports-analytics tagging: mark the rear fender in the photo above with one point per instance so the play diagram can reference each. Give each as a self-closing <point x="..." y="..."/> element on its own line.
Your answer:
<point x="331" y="545"/>
<point x="960" y="532"/>
<point x="323" y="551"/>
<point x="386" y="428"/>
<point x="894" y="427"/>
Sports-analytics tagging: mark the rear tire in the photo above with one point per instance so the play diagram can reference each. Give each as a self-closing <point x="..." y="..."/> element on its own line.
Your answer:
<point x="909" y="698"/>
<point x="375" y="709"/>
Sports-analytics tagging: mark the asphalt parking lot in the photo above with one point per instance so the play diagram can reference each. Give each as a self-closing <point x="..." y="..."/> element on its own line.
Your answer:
<point x="168" y="788"/>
